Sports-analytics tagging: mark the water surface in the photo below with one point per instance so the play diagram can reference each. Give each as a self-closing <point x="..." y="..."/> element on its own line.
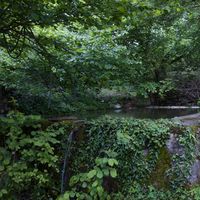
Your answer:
<point x="142" y="113"/>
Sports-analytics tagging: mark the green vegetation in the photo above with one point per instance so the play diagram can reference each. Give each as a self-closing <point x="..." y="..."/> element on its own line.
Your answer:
<point x="30" y="155"/>
<point x="108" y="161"/>
<point x="67" y="57"/>
<point x="92" y="182"/>
<point x="56" y="57"/>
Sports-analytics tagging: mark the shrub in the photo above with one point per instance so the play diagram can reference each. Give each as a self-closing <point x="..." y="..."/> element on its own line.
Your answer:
<point x="30" y="157"/>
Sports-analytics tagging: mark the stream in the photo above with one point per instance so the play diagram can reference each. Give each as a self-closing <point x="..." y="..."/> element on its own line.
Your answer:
<point x="142" y="113"/>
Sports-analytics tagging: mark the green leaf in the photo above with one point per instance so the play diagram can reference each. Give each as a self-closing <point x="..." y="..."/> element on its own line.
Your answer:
<point x="72" y="194"/>
<point x="100" y="190"/>
<point x="99" y="174"/>
<point x="113" y="173"/>
<point x="112" y="162"/>
<point x="106" y="172"/>
<point x="84" y="184"/>
<point x="66" y="196"/>
<point x="95" y="183"/>
<point x="91" y="174"/>
<point x="73" y="180"/>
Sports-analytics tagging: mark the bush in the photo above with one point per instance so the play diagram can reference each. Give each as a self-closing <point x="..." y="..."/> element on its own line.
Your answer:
<point x="30" y="157"/>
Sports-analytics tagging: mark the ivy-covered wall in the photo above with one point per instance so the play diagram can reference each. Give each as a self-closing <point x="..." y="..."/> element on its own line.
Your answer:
<point x="143" y="154"/>
<point x="111" y="158"/>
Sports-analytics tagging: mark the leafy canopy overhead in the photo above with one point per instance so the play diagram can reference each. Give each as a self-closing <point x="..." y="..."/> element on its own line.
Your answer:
<point x="69" y="48"/>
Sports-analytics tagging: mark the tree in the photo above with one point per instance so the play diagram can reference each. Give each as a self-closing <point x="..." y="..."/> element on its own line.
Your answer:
<point x="73" y="47"/>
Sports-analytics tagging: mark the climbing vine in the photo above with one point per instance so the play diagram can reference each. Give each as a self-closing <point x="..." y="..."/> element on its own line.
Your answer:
<point x="111" y="159"/>
<point x="142" y="152"/>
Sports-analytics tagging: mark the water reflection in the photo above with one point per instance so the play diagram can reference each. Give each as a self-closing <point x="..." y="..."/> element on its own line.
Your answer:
<point x="141" y="113"/>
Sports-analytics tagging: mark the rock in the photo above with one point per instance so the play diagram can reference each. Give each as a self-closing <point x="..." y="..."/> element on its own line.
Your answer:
<point x="173" y="145"/>
<point x="194" y="177"/>
<point x="117" y="106"/>
<point x="188" y="120"/>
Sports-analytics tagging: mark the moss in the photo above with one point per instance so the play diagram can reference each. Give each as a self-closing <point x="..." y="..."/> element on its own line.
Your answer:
<point x="158" y="176"/>
<point x="45" y="123"/>
<point x="80" y="133"/>
<point x="195" y="128"/>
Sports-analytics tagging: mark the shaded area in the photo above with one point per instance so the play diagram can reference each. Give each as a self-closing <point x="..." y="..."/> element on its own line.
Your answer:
<point x="141" y="113"/>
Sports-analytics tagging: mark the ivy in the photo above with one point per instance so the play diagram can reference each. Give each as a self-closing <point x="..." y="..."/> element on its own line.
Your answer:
<point x="141" y="147"/>
<point x="115" y="158"/>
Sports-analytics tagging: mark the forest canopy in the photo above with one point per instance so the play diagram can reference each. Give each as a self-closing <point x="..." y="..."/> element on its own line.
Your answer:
<point x="64" y="64"/>
<point x="67" y="50"/>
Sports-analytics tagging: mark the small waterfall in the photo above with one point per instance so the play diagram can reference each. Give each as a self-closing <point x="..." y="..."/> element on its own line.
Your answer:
<point x="66" y="159"/>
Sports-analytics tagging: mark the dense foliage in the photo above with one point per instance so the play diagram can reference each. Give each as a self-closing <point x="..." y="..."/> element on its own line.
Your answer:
<point x="70" y="50"/>
<point x="30" y="157"/>
<point x="144" y="163"/>
<point x="112" y="159"/>
<point x="65" y="57"/>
